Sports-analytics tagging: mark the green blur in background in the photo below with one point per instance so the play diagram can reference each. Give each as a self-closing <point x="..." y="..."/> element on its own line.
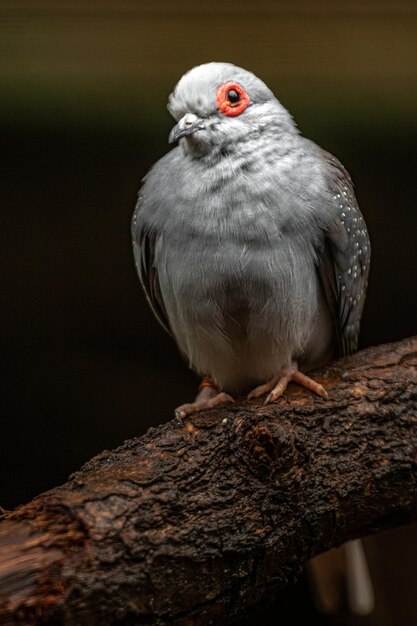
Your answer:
<point x="111" y="64"/>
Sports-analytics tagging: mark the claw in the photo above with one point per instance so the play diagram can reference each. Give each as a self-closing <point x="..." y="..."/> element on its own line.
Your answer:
<point x="259" y="391"/>
<point x="207" y="398"/>
<point x="277" y="386"/>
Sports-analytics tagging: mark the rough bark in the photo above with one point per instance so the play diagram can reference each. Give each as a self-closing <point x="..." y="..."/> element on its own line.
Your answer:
<point x="195" y="521"/>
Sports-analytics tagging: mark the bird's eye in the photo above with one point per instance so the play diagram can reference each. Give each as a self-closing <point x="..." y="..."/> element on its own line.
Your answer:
<point x="232" y="99"/>
<point x="233" y="96"/>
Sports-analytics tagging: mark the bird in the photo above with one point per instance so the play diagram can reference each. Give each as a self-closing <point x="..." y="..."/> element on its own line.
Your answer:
<point x="253" y="253"/>
<point x="249" y="242"/>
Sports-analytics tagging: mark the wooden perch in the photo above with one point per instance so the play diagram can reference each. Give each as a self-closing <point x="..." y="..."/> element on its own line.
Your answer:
<point x="196" y="521"/>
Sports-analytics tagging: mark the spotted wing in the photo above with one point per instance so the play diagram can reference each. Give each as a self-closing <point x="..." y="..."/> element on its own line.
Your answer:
<point x="344" y="259"/>
<point x="144" y="251"/>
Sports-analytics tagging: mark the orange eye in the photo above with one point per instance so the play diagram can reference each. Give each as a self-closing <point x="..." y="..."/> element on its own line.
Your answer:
<point x="232" y="99"/>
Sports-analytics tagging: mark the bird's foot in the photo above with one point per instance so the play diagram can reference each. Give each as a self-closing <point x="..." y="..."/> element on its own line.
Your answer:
<point x="207" y="398"/>
<point x="276" y="387"/>
<point x="262" y="389"/>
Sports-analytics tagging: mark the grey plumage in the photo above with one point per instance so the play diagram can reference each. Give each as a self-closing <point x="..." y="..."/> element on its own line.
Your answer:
<point x="248" y="239"/>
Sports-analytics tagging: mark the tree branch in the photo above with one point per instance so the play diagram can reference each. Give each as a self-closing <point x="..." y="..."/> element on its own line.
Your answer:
<point x="195" y="521"/>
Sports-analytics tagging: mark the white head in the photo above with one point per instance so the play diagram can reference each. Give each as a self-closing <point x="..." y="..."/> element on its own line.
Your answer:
<point x="218" y="104"/>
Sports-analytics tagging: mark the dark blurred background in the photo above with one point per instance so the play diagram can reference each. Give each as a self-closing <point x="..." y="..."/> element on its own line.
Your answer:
<point x="83" y="115"/>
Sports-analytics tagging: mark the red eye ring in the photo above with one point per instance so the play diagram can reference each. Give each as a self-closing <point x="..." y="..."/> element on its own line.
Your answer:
<point x="225" y="105"/>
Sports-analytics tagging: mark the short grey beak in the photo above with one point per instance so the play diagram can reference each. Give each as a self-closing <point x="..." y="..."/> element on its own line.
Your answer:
<point x="187" y="125"/>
